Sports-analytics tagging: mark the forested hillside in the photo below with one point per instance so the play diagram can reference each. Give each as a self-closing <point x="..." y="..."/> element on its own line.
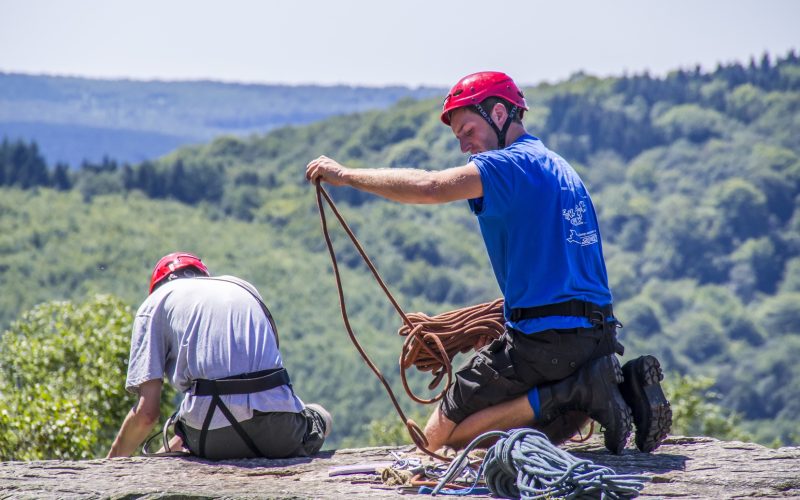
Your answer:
<point x="696" y="178"/>
<point x="75" y="119"/>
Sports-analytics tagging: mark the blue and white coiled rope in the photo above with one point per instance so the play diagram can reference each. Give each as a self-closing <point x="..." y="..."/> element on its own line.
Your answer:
<point x="524" y="464"/>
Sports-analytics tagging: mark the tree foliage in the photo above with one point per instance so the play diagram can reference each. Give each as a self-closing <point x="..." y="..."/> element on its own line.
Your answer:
<point x="62" y="369"/>
<point x="696" y="410"/>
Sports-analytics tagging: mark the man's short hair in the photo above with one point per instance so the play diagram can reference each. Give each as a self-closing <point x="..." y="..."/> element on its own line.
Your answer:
<point x="488" y="104"/>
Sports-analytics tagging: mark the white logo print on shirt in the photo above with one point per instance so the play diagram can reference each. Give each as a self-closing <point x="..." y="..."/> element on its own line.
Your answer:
<point x="575" y="217"/>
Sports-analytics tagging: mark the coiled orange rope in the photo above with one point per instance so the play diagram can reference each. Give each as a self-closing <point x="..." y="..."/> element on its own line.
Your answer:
<point x="433" y="341"/>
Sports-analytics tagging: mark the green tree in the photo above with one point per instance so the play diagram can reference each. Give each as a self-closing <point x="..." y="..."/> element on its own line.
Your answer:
<point x="98" y="184"/>
<point x="682" y="240"/>
<point x="696" y="413"/>
<point x="742" y="207"/>
<point x="22" y="165"/>
<point x="791" y="276"/>
<point x="640" y="315"/>
<point x="746" y="102"/>
<point x="61" y="177"/>
<point x="780" y="315"/>
<point x="390" y="430"/>
<point x="701" y="336"/>
<point x="692" y="122"/>
<point x="410" y="153"/>
<point x="62" y="378"/>
<point x="757" y="262"/>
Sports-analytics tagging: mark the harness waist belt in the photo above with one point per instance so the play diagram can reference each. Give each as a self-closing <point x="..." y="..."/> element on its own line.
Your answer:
<point x="593" y="312"/>
<point x="246" y="383"/>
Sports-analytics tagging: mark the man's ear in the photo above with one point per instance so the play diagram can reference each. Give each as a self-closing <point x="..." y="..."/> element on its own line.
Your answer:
<point x="499" y="114"/>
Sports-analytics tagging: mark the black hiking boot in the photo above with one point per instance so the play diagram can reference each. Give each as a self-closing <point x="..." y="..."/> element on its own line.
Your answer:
<point x="641" y="389"/>
<point x="593" y="389"/>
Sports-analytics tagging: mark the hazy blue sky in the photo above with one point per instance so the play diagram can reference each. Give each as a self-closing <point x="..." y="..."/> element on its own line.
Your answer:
<point x="379" y="42"/>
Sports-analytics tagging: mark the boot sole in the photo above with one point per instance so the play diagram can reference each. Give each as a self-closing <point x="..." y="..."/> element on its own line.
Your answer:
<point x="642" y="391"/>
<point x="616" y="443"/>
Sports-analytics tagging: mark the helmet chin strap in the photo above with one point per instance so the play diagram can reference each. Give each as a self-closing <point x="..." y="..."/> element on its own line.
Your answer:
<point x="501" y="133"/>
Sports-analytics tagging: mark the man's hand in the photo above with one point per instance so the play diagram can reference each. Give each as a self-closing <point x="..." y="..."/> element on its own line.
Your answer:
<point x="327" y="170"/>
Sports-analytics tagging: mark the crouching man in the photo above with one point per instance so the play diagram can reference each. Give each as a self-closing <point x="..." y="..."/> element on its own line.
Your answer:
<point x="214" y="340"/>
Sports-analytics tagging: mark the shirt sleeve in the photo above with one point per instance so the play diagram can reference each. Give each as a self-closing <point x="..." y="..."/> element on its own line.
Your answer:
<point x="498" y="185"/>
<point x="148" y="357"/>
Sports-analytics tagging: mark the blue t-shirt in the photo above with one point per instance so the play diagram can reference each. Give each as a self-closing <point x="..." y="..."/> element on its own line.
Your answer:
<point x="541" y="232"/>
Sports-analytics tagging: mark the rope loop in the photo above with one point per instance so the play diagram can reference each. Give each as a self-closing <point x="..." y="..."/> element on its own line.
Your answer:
<point x="417" y="434"/>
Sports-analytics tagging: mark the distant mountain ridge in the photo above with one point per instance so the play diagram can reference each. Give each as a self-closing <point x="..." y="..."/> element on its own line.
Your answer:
<point x="74" y="119"/>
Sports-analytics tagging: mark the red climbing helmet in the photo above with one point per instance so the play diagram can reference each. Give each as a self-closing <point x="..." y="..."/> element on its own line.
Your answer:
<point x="173" y="262"/>
<point x="474" y="88"/>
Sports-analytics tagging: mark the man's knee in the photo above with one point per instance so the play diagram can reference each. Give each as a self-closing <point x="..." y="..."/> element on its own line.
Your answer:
<point x="438" y="429"/>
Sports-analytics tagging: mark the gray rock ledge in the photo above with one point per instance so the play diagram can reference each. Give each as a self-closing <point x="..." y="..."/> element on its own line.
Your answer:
<point x="684" y="467"/>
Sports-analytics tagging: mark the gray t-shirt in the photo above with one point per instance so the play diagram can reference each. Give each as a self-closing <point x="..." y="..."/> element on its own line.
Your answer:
<point x="193" y="328"/>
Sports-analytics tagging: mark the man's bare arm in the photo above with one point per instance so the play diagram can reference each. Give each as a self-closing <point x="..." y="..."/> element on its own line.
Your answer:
<point x="139" y="421"/>
<point x="402" y="185"/>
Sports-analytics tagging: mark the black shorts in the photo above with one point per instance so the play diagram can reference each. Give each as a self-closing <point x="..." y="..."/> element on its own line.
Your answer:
<point x="517" y="362"/>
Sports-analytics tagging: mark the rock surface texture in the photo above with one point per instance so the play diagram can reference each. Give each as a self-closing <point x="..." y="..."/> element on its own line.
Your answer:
<point x="684" y="467"/>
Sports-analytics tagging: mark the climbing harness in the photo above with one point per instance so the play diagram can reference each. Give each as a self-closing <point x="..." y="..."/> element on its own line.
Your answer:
<point x="524" y="464"/>
<point x="588" y="310"/>
<point x="600" y="316"/>
<point x="247" y="383"/>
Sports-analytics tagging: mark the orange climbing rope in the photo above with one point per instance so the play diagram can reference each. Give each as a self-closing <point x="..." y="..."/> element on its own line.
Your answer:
<point x="431" y="342"/>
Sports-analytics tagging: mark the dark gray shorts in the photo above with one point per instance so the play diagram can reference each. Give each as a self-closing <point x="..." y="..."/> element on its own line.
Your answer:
<point x="517" y="362"/>
<point x="276" y="434"/>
